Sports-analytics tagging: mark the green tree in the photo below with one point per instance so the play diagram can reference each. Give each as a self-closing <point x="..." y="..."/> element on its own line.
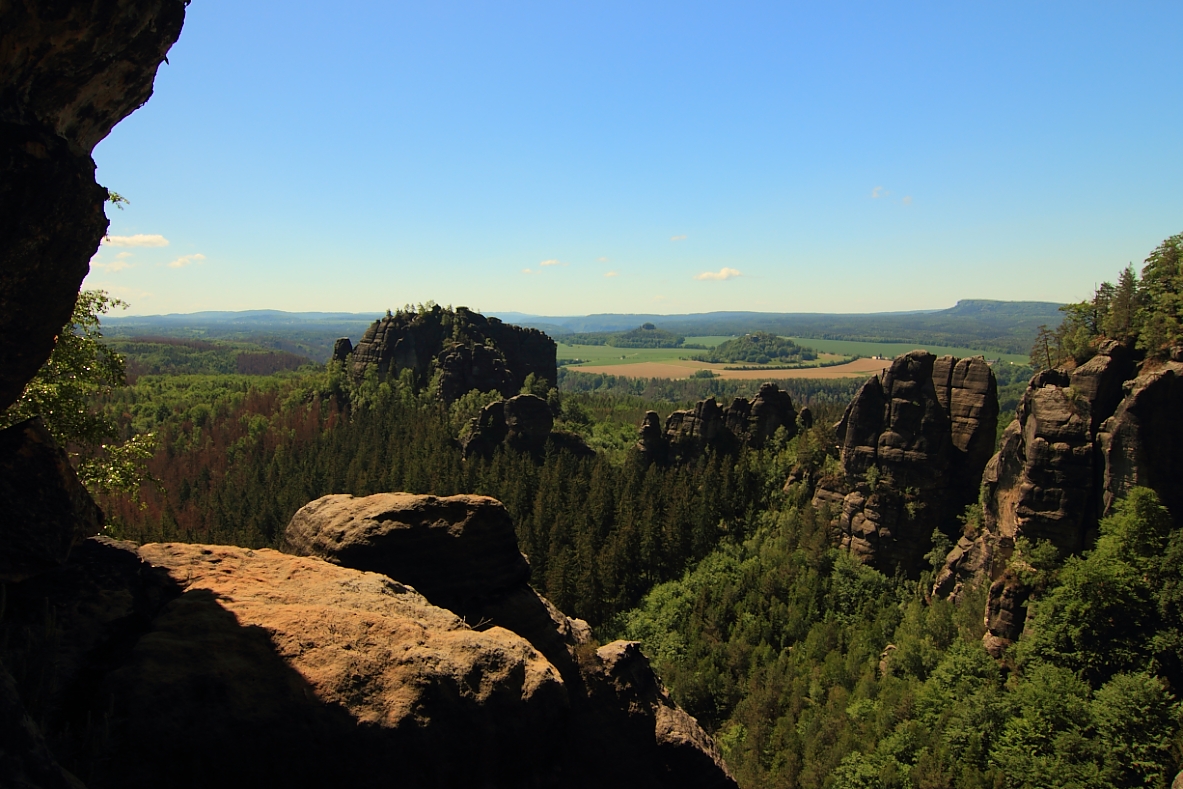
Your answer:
<point x="63" y="393"/>
<point x="1160" y="317"/>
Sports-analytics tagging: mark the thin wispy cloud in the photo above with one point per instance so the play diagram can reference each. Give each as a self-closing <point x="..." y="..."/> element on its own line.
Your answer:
<point x="118" y="264"/>
<point x="602" y="260"/>
<point x="527" y="271"/>
<point x="186" y="260"/>
<point x="138" y="240"/>
<point x="907" y="200"/>
<point x="878" y="192"/>
<point x="723" y="273"/>
<point x="678" y="238"/>
<point x="610" y="274"/>
<point x="552" y="262"/>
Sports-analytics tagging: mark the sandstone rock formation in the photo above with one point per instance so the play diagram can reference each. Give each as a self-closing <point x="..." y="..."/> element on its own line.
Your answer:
<point x="46" y="508"/>
<point x="523" y="423"/>
<point x="68" y="74"/>
<point x="469" y="350"/>
<point x="913" y="445"/>
<point x="1080" y="439"/>
<point x="744" y="422"/>
<point x="202" y="665"/>
<point x="617" y="704"/>
<point x="341" y="349"/>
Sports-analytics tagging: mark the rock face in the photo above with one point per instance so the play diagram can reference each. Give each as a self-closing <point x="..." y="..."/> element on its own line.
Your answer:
<point x="1043" y="483"/>
<point x="46" y="508"/>
<point x="68" y="74"/>
<point x="707" y="425"/>
<point x="1080" y="439"/>
<point x="617" y="705"/>
<point x="913" y="446"/>
<point x="341" y="349"/>
<point x="455" y="549"/>
<point x="523" y="423"/>
<point x="469" y="350"/>
<point x="191" y="663"/>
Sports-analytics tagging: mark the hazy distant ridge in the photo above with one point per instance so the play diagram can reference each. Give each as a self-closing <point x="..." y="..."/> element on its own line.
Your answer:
<point x="1005" y="326"/>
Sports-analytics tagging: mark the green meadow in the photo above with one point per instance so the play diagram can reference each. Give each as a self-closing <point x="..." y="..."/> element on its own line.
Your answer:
<point x="606" y="354"/>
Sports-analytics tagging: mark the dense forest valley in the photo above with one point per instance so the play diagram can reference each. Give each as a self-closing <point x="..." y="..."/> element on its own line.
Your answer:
<point x="812" y="669"/>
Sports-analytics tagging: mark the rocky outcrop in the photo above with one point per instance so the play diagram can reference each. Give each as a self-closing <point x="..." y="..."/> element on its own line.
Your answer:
<point x="913" y="445"/>
<point x="745" y="422"/>
<point x="46" y="509"/>
<point x="468" y="350"/>
<point x="68" y="74"/>
<point x="200" y="665"/>
<point x="1044" y="483"/>
<point x="1006" y="612"/>
<point x="523" y="423"/>
<point x="617" y="704"/>
<point x="341" y="349"/>
<point x="1080" y="439"/>
<point x="1141" y="444"/>
<point x="455" y="549"/>
<point x="277" y="670"/>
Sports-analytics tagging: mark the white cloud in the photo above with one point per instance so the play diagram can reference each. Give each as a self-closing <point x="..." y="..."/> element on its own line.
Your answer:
<point x="185" y="260"/>
<point x="678" y="238"/>
<point x="113" y="266"/>
<point x="552" y="262"/>
<point x="138" y="240"/>
<point x="610" y="274"/>
<point x="907" y="200"/>
<point x="878" y="192"/>
<point x="527" y="271"/>
<point x="723" y="273"/>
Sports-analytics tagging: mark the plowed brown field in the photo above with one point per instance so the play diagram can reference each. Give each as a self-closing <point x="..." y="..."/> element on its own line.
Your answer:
<point x="859" y="368"/>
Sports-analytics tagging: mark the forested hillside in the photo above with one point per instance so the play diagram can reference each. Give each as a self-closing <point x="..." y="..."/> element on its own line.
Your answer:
<point x="810" y="668"/>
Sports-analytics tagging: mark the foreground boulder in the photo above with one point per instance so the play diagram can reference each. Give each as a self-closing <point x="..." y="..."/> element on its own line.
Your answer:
<point x="913" y="445"/>
<point x="617" y="705"/>
<point x="200" y="665"/>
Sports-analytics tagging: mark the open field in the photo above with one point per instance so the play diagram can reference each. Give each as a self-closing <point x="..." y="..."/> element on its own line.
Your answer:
<point x="894" y="349"/>
<point x="860" y="368"/>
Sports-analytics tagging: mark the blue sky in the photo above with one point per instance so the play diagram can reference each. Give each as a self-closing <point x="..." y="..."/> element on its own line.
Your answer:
<point x="572" y="158"/>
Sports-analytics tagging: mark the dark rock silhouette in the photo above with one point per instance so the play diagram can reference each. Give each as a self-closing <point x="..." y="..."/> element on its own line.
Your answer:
<point x="707" y="425"/>
<point x="68" y="74"/>
<point x="341" y="349"/>
<point x="45" y="506"/>
<point x="913" y="445"/>
<point x="469" y="350"/>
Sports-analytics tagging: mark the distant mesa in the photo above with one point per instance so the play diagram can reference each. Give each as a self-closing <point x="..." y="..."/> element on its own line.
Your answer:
<point x="454" y="351"/>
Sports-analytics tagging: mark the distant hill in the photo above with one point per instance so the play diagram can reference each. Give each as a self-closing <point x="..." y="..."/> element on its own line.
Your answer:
<point x="1003" y="326"/>
<point x="308" y="334"/>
